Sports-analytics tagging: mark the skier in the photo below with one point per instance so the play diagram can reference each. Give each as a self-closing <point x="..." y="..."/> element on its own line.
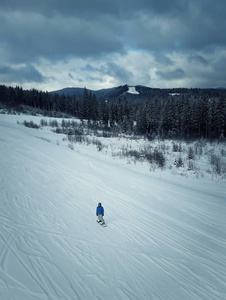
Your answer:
<point x="100" y="213"/>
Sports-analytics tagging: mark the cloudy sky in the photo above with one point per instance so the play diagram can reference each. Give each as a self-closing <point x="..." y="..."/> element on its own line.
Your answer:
<point x="52" y="44"/>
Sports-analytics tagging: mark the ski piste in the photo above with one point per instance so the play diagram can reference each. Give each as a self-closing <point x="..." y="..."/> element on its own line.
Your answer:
<point x="102" y="224"/>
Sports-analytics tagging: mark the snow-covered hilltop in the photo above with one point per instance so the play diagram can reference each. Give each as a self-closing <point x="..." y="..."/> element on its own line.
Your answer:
<point x="165" y="238"/>
<point x="132" y="90"/>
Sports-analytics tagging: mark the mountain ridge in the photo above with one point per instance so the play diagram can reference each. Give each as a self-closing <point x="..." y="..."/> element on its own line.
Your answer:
<point x="133" y="92"/>
<point x="110" y="94"/>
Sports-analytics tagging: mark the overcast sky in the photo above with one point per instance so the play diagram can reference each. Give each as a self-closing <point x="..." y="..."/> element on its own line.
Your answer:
<point x="52" y="44"/>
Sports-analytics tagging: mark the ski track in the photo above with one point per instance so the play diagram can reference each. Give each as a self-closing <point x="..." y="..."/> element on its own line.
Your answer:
<point x="163" y="241"/>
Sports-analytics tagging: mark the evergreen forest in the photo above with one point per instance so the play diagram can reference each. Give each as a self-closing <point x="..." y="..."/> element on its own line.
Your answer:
<point x="188" y="115"/>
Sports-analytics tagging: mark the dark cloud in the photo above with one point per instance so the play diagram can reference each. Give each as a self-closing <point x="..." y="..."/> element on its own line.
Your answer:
<point x="37" y="37"/>
<point x="22" y="74"/>
<point x="210" y="78"/>
<point x="94" y="78"/>
<point x="110" y="69"/>
<point x="219" y="64"/>
<point x="70" y="75"/>
<point x="90" y="68"/>
<point x="116" y="71"/>
<point x="163" y="59"/>
<point x="56" y="32"/>
<point x="197" y="59"/>
<point x="171" y="75"/>
<point x="56" y="29"/>
<point x="96" y="8"/>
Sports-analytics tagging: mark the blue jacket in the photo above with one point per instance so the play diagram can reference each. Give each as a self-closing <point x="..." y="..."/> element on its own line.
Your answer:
<point x="100" y="210"/>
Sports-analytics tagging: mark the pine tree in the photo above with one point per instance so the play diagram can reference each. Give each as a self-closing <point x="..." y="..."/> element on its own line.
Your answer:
<point x="85" y="115"/>
<point x="103" y="112"/>
<point x="149" y="118"/>
<point x="220" y="114"/>
<point x="186" y="118"/>
<point x="203" y="112"/>
<point x="112" y="114"/>
<point x="210" y="116"/>
<point x="94" y="108"/>
<point x="119" y="109"/>
<point x="194" y="118"/>
<point x="141" y="124"/>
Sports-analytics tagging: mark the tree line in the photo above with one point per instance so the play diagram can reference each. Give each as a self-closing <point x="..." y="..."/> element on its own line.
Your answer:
<point x="185" y="115"/>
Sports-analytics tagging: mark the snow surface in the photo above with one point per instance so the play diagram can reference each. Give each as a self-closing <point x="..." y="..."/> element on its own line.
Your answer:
<point x="132" y="90"/>
<point x="165" y="237"/>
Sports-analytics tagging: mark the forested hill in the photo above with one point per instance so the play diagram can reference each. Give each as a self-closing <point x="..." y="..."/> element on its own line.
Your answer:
<point x="190" y="113"/>
<point x="142" y="94"/>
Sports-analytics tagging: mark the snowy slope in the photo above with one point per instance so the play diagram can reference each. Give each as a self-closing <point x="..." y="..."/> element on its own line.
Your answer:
<point x="132" y="90"/>
<point x="165" y="237"/>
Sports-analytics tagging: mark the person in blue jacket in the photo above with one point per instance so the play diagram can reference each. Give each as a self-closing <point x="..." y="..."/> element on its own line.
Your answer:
<point x="100" y="213"/>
